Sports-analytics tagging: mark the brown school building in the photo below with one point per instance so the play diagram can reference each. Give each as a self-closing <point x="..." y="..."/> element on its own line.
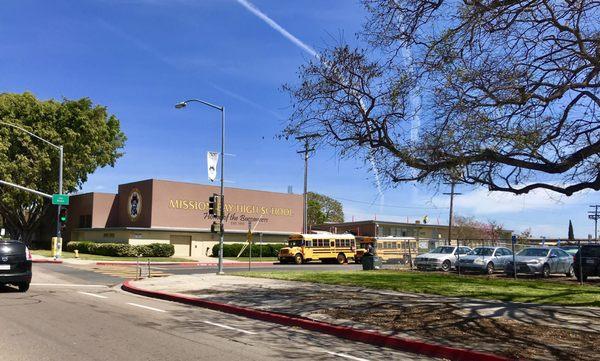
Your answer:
<point x="161" y="211"/>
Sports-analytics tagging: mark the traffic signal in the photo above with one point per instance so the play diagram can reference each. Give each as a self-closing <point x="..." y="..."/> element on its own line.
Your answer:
<point x="63" y="217"/>
<point x="214" y="205"/>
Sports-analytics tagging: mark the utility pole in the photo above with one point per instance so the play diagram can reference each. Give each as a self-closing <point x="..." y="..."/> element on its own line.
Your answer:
<point x="306" y="151"/>
<point x="451" y="216"/>
<point x="595" y="216"/>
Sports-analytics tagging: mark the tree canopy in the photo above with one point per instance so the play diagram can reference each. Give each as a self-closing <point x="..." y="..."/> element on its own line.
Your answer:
<point x="91" y="138"/>
<point x="470" y="228"/>
<point x="321" y="209"/>
<point x="499" y="93"/>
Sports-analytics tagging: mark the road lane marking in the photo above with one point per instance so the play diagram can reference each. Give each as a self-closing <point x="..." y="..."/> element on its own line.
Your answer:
<point x="146" y="307"/>
<point x="91" y="294"/>
<point x="346" y="356"/>
<point x="229" y="327"/>
<point x="64" y="285"/>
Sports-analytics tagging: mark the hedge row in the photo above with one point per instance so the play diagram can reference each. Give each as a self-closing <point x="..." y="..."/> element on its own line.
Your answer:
<point x="122" y="249"/>
<point x="232" y="250"/>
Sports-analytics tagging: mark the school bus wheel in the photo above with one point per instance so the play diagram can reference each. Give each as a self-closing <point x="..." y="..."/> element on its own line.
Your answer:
<point x="341" y="258"/>
<point x="298" y="258"/>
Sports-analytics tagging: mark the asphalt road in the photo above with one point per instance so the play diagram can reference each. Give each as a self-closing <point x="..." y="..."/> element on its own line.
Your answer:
<point x="76" y="314"/>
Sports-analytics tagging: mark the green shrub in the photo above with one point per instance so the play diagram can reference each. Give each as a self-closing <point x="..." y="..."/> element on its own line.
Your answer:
<point x="122" y="249"/>
<point x="232" y="250"/>
<point x="161" y="249"/>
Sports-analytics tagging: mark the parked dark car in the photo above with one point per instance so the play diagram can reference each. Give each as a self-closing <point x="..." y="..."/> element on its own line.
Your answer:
<point x="15" y="264"/>
<point x="590" y="261"/>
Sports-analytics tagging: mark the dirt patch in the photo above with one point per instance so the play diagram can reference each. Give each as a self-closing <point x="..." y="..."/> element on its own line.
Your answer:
<point x="434" y="320"/>
<point x="511" y="338"/>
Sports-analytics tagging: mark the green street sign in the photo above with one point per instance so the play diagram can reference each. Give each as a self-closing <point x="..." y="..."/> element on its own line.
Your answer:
<point x="60" y="199"/>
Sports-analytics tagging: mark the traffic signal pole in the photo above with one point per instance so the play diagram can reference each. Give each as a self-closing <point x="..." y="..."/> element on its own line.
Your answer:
<point x="60" y="191"/>
<point x="222" y="210"/>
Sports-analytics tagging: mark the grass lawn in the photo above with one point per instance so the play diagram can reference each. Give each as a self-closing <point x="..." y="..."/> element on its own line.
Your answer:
<point x="254" y="259"/>
<point x="481" y="287"/>
<point x="94" y="257"/>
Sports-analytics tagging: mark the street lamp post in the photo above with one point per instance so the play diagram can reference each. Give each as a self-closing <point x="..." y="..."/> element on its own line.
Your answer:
<point x="60" y="168"/>
<point x="183" y="104"/>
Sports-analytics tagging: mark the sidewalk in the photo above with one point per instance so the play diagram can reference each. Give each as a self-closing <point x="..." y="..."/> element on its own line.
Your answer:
<point x="201" y="262"/>
<point x="511" y="329"/>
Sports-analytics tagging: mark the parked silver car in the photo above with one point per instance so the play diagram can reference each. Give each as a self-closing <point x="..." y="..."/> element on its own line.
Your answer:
<point x="485" y="259"/>
<point x="542" y="261"/>
<point x="443" y="257"/>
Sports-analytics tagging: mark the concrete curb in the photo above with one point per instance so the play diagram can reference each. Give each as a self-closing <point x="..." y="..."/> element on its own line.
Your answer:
<point x="371" y="337"/>
<point x="182" y="264"/>
<point x="47" y="261"/>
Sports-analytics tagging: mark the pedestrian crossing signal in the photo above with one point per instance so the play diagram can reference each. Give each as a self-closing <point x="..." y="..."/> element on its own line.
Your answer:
<point x="215" y="227"/>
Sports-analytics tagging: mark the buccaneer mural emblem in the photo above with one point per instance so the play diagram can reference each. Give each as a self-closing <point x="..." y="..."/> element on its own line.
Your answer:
<point x="134" y="205"/>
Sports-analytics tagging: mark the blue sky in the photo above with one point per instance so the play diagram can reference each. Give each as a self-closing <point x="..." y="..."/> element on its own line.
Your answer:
<point x="139" y="58"/>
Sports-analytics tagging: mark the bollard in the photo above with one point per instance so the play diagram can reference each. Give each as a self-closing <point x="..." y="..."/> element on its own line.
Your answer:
<point x="138" y="273"/>
<point x="149" y="276"/>
<point x="76" y="253"/>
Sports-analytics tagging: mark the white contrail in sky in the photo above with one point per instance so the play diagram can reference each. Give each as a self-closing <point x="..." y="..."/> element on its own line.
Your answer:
<point x="299" y="43"/>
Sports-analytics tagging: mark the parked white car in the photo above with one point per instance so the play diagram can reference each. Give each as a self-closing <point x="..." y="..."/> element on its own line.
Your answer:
<point x="443" y="257"/>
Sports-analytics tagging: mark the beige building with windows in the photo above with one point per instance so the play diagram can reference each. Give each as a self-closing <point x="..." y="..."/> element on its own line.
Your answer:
<point x="161" y="211"/>
<point x="433" y="233"/>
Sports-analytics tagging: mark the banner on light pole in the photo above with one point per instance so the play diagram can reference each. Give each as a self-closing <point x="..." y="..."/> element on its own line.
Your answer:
<point x="212" y="159"/>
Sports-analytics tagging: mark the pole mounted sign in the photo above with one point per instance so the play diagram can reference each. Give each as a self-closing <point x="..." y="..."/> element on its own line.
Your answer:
<point x="60" y="199"/>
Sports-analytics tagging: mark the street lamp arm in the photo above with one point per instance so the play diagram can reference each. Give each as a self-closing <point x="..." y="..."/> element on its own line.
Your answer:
<point x="205" y="103"/>
<point x="30" y="133"/>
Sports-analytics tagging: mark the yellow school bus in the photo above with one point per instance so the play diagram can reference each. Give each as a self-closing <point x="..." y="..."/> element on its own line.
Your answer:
<point x="326" y="247"/>
<point x="389" y="249"/>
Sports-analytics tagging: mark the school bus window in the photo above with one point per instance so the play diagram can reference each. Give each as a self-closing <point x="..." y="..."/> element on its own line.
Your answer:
<point x="295" y="242"/>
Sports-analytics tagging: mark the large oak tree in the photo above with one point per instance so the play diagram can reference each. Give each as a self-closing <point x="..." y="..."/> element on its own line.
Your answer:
<point x="499" y="93"/>
<point x="91" y="138"/>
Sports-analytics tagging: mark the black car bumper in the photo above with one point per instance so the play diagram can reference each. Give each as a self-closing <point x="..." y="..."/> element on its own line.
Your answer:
<point x="13" y="278"/>
<point x="20" y="272"/>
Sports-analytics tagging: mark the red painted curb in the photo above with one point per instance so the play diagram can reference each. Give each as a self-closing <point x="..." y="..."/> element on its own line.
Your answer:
<point x="371" y="337"/>
<point x="46" y="261"/>
<point x="109" y="263"/>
